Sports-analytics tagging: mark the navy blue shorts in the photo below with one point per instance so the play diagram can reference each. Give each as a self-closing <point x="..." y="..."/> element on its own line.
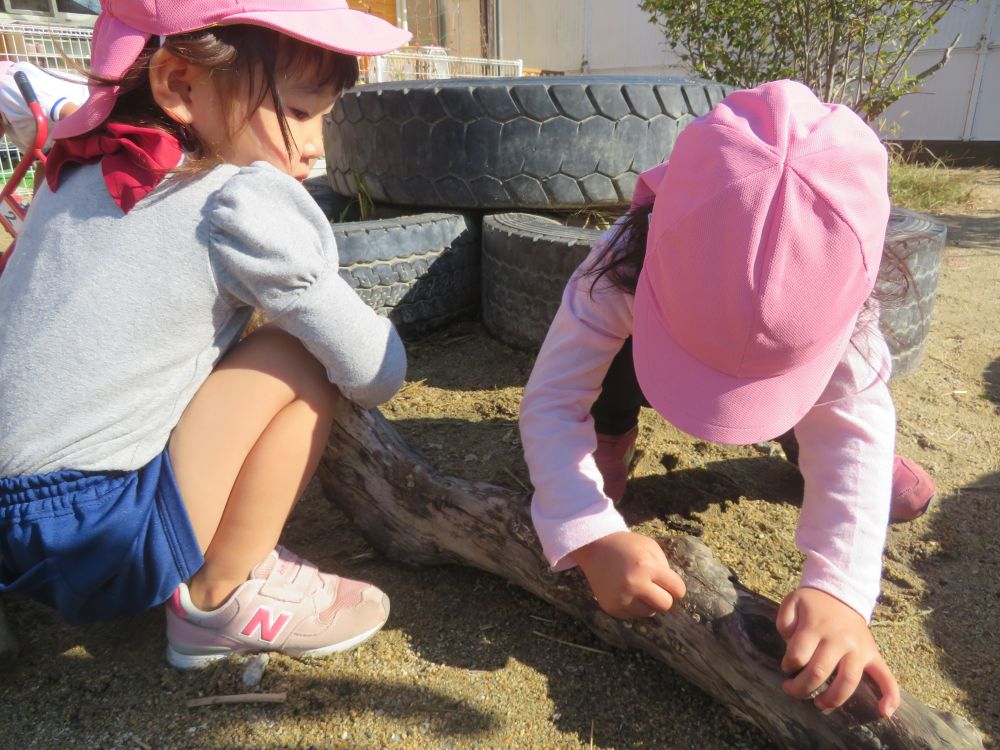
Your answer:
<point x="96" y="546"/>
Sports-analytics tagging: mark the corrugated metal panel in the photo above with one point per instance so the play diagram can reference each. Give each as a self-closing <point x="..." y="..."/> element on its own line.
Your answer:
<point x="964" y="18"/>
<point x="986" y="121"/>
<point x="937" y="112"/>
<point x="959" y="102"/>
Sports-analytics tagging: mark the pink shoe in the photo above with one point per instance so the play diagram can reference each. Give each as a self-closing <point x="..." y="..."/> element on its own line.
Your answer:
<point x="912" y="490"/>
<point x="912" y="487"/>
<point x="614" y="458"/>
<point x="287" y="605"/>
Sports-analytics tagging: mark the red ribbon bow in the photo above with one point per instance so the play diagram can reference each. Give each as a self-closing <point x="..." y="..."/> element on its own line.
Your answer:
<point x="133" y="160"/>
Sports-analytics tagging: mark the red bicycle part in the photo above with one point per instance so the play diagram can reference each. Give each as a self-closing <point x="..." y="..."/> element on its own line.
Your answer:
<point x="12" y="210"/>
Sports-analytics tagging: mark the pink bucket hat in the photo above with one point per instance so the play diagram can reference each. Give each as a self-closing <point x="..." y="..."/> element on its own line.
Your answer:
<point x="124" y="27"/>
<point x="764" y="242"/>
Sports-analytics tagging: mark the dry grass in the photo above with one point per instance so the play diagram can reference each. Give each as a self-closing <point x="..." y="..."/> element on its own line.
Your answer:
<point x="922" y="182"/>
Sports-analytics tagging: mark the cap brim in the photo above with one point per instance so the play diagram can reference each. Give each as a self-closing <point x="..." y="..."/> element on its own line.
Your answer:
<point x="711" y="405"/>
<point x="93" y="112"/>
<point x="339" y="29"/>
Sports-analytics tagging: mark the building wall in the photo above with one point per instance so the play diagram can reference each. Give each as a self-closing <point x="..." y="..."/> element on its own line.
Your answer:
<point x="961" y="101"/>
<point x="462" y="27"/>
<point x="385" y="9"/>
<point x="622" y="40"/>
<point x="608" y="37"/>
<point x="545" y="34"/>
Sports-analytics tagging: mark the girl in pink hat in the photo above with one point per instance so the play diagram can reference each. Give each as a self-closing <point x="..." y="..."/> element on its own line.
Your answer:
<point x="147" y="453"/>
<point x="735" y="299"/>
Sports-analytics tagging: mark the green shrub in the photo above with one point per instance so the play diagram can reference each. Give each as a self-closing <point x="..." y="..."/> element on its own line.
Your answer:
<point x="853" y="52"/>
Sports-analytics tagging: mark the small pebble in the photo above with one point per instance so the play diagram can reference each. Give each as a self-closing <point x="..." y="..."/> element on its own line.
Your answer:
<point x="254" y="671"/>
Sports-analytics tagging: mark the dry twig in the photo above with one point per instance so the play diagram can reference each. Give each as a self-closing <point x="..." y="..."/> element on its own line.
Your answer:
<point x="212" y="700"/>
<point x="570" y="643"/>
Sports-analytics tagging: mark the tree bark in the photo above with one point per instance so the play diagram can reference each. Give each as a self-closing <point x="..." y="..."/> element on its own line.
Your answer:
<point x="720" y="636"/>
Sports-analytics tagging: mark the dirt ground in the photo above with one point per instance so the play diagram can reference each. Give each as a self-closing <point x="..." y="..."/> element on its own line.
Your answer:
<point x="468" y="661"/>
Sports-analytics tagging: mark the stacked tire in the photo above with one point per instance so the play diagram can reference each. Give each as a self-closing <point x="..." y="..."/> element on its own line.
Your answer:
<point x="498" y="147"/>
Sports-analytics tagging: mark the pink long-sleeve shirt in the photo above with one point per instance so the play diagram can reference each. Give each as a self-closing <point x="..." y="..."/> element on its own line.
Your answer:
<point x="846" y="446"/>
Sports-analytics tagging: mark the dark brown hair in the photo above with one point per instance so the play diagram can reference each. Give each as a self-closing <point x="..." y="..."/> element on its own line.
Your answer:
<point x="244" y="62"/>
<point x="625" y="251"/>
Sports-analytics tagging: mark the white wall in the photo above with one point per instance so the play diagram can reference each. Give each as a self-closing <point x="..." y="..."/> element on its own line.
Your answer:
<point x="962" y="100"/>
<point x="545" y="34"/>
<point x="622" y="40"/>
<point x="959" y="102"/>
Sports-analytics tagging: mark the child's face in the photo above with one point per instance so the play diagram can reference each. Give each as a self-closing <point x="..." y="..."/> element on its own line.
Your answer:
<point x="260" y="138"/>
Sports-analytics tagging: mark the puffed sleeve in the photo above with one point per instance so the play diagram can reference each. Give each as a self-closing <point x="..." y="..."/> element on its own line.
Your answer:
<point x="272" y="248"/>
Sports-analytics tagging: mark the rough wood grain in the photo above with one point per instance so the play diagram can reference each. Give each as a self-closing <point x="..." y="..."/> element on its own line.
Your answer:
<point x="721" y="637"/>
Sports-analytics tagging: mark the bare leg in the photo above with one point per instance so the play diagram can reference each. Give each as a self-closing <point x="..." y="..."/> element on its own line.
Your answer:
<point x="243" y="452"/>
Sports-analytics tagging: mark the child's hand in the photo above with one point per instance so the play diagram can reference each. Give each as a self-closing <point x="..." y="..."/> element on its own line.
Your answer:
<point x="629" y="575"/>
<point x="824" y="635"/>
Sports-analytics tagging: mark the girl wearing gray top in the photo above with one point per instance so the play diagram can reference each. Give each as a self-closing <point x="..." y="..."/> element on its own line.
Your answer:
<point x="145" y="455"/>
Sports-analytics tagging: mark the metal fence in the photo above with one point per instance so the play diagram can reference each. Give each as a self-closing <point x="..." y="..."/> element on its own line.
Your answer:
<point x="51" y="47"/>
<point x="434" y="62"/>
<point x="45" y="46"/>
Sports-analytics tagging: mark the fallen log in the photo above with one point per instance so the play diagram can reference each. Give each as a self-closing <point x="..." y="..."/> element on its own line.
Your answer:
<point x="721" y="636"/>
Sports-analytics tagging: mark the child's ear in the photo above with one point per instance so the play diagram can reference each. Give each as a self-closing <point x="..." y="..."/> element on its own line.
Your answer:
<point x="172" y="81"/>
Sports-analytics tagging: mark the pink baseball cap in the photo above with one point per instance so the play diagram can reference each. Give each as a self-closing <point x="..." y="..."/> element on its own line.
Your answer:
<point x="124" y="27"/>
<point x="764" y="242"/>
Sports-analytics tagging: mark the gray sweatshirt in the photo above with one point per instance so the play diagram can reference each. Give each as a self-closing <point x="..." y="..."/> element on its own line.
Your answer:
<point x="110" y="323"/>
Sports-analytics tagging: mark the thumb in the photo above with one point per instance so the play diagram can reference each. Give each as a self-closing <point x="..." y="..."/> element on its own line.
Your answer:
<point x="787" y="616"/>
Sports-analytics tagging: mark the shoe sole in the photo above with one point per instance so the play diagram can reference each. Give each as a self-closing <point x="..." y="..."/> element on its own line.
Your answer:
<point x="920" y="513"/>
<point x="184" y="661"/>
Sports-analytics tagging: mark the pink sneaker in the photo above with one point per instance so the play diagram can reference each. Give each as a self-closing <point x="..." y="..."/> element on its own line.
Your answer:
<point x="287" y="605"/>
<point x="614" y="458"/>
<point x="912" y="490"/>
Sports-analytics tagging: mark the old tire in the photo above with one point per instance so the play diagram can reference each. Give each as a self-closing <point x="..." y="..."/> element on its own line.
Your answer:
<point x="420" y="271"/>
<point x="908" y="277"/>
<point x="335" y="207"/>
<point x="528" y="259"/>
<point x="501" y="143"/>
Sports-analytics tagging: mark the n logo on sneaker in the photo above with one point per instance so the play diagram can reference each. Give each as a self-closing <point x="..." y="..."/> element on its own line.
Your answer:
<point x="270" y="628"/>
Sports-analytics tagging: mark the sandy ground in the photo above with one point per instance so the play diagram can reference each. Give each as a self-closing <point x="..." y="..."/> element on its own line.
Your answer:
<point x="468" y="661"/>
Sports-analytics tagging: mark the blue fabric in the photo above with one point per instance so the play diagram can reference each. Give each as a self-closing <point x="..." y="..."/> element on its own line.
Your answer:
<point x="96" y="546"/>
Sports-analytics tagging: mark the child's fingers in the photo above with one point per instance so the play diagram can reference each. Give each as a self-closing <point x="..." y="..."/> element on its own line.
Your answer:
<point x="879" y="671"/>
<point x="667" y="578"/>
<point x="656" y="597"/>
<point x="799" y="650"/>
<point x="787" y="617"/>
<point x="849" y="673"/>
<point x="818" y="670"/>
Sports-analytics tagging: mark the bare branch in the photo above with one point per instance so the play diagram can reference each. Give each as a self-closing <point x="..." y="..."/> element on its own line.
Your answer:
<point x="940" y="63"/>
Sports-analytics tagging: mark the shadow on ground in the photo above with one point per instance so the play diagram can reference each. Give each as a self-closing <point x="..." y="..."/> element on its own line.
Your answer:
<point x="992" y="377"/>
<point x="965" y="557"/>
<point x="473" y="360"/>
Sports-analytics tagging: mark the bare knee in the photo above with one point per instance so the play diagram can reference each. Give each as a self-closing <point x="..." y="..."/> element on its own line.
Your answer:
<point x="282" y="356"/>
